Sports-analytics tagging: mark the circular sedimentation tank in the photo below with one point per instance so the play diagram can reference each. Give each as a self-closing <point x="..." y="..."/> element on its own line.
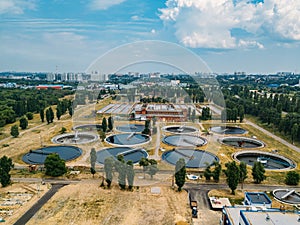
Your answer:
<point x="134" y="155"/>
<point x="269" y="160"/>
<point x="184" y="140"/>
<point x="228" y="130"/>
<point x="178" y="129"/>
<point x="87" y="127"/>
<point x="127" y="139"/>
<point x="75" y="138"/>
<point x="131" y="128"/>
<point x="242" y="142"/>
<point x="38" y="156"/>
<point x="193" y="158"/>
<point x="287" y="196"/>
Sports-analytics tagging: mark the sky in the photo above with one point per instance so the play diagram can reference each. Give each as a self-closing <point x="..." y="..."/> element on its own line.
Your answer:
<point x="255" y="36"/>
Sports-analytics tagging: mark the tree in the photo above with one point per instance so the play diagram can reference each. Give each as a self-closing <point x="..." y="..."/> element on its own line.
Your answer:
<point x="104" y="124"/>
<point x="23" y="123"/>
<point x="121" y="169"/>
<point x="243" y="173"/>
<point x="233" y="175"/>
<point x="130" y="174"/>
<point x="58" y="112"/>
<point x="55" y="166"/>
<point x="217" y="171"/>
<point x="223" y="116"/>
<point x="207" y="173"/>
<point x="93" y="159"/>
<point x="189" y="113"/>
<point x="51" y="115"/>
<point x="108" y="168"/>
<point x="5" y="166"/>
<point x="93" y="171"/>
<point x="292" y="178"/>
<point x="294" y="132"/>
<point x="205" y="114"/>
<point x="42" y="115"/>
<point x="71" y="111"/>
<point x="110" y="123"/>
<point x="14" y="131"/>
<point x="241" y="113"/>
<point x="48" y="116"/>
<point x="144" y="163"/>
<point x="193" y="116"/>
<point x="180" y="172"/>
<point x="152" y="168"/>
<point x="29" y="115"/>
<point x="258" y="172"/>
<point x="147" y="127"/>
<point x="102" y="135"/>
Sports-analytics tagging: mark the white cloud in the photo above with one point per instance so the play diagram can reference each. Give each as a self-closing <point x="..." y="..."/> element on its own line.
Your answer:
<point x="208" y="23"/>
<point x="15" y="6"/>
<point x="104" y="4"/>
<point x="250" y="44"/>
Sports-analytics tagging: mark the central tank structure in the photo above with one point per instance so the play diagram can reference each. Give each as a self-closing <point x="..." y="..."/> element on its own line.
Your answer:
<point x="184" y="140"/>
<point x="180" y="129"/>
<point x="128" y="139"/>
<point x="129" y="128"/>
<point x="134" y="155"/>
<point x="193" y="158"/>
<point x="228" y="130"/>
<point x="75" y="138"/>
<point x="242" y="142"/>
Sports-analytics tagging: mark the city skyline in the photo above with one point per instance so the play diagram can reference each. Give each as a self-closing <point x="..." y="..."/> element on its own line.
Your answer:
<point x="256" y="37"/>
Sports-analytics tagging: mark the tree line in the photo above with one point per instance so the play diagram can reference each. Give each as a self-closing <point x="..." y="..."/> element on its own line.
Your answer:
<point x="280" y="111"/>
<point x="16" y="103"/>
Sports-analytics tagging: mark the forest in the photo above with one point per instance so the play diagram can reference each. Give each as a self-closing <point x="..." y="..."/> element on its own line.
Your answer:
<point x="279" y="111"/>
<point x="15" y="103"/>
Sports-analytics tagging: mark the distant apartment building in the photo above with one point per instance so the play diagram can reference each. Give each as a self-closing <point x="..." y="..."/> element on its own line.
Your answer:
<point x="68" y="77"/>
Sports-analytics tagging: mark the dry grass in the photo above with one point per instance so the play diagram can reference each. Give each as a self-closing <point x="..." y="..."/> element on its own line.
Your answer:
<point x="86" y="203"/>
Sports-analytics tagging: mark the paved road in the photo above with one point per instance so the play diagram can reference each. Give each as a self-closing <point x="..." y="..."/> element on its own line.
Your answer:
<point x="36" y="207"/>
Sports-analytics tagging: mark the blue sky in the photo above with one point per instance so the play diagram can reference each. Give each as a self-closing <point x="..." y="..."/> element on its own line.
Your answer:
<point x="68" y="35"/>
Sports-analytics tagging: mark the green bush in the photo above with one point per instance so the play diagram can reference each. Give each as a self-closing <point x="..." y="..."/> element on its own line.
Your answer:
<point x="29" y="115"/>
<point x="292" y="178"/>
